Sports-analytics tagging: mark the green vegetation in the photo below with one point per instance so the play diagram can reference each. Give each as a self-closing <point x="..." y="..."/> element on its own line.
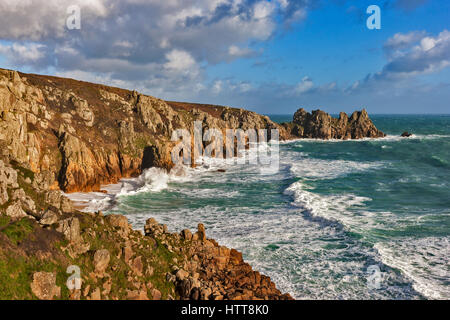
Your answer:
<point x="16" y="275"/>
<point x="18" y="230"/>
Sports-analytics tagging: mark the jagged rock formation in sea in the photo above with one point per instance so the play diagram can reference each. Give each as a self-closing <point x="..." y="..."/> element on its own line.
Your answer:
<point x="321" y="125"/>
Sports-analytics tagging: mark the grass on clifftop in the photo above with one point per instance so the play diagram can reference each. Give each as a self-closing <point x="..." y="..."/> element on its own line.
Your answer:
<point x="16" y="231"/>
<point x="16" y="275"/>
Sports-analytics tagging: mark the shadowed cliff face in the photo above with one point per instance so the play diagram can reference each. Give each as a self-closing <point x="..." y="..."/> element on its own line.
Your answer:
<point x="76" y="136"/>
<point x="321" y="125"/>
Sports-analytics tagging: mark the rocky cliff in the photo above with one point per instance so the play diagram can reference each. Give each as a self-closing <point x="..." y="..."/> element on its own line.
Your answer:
<point x="320" y="125"/>
<point x="76" y="136"/>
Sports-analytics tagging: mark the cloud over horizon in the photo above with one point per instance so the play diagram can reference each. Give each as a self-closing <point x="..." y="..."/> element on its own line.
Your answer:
<point x="167" y="48"/>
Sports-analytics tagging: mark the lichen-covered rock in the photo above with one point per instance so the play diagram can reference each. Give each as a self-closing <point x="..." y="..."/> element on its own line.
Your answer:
<point x="50" y="217"/>
<point x="120" y="222"/>
<point x="8" y="176"/>
<point x="70" y="227"/>
<point x="26" y="202"/>
<point x="3" y="193"/>
<point x="44" y="286"/>
<point x="15" y="211"/>
<point x="83" y="110"/>
<point x="101" y="260"/>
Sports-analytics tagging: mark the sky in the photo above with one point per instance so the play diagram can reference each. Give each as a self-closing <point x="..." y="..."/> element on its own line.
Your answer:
<point x="269" y="56"/>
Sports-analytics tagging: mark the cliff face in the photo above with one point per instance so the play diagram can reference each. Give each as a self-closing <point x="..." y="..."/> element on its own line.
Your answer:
<point x="76" y="135"/>
<point x="321" y="125"/>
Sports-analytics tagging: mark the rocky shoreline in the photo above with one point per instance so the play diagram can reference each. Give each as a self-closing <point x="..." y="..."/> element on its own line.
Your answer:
<point x="60" y="134"/>
<point x="42" y="243"/>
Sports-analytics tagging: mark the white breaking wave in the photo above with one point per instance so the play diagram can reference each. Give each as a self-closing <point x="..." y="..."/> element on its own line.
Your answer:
<point x="331" y="207"/>
<point x="387" y="138"/>
<point x="425" y="261"/>
<point x="151" y="180"/>
<point x="309" y="168"/>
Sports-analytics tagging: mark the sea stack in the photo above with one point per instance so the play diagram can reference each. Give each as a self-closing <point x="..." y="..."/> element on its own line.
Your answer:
<point x="320" y="125"/>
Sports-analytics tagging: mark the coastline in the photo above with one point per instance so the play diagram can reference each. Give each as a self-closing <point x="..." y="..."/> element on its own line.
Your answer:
<point x="51" y="144"/>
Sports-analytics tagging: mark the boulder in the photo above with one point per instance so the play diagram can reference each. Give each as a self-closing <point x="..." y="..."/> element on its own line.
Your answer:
<point x="120" y="222"/>
<point x="406" y="134"/>
<point x="27" y="203"/>
<point x="50" y="217"/>
<point x="44" y="286"/>
<point x="156" y="294"/>
<point x="8" y="176"/>
<point x="96" y="294"/>
<point x="181" y="275"/>
<point x="101" y="261"/>
<point x="71" y="229"/>
<point x="3" y="193"/>
<point x="53" y="198"/>
<point x="127" y="253"/>
<point x="15" y="211"/>
<point x="186" y="234"/>
<point x="137" y="266"/>
<point x="201" y="233"/>
<point x="66" y="205"/>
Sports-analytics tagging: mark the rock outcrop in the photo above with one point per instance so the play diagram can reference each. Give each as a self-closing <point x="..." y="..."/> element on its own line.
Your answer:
<point x="209" y="271"/>
<point x="320" y="125"/>
<point x="76" y="136"/>
<point x="406" y="134"/>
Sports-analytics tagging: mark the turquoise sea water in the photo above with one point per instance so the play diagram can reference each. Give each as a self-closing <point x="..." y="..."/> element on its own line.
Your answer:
<point x="333" y="212"/>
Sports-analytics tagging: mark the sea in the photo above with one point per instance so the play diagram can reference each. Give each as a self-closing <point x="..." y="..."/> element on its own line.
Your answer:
<point x="356" y="219"/>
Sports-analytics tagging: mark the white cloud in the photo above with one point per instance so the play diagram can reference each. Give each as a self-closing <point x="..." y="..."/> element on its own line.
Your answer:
<point x="179" y="60"/>
<point x="235" y="51"/>
<point x="416" y="53"/>
<point x="39" y="20"/>
<point x="305" y="85"/>
<point x="29" y="52"/>
<point x="138" y="41"/>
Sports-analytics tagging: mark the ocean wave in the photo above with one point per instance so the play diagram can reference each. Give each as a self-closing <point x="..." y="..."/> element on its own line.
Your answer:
<point x="311" y="168"/>
<point x="438" y="162"/>
<point x="387" y="138"/>
<point x="151" y="180"/>
<point x="330" y="207"/>
<point x="424" y="261"/>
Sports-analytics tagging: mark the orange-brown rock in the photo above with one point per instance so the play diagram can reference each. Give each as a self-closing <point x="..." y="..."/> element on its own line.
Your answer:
<point x="214" y="272"/>
<point x="80" y="135"/>
<point x="320" y="125"/>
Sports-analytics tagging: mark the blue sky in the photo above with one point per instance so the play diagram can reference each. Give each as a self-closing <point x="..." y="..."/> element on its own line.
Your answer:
<point x="268" y="56"/>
